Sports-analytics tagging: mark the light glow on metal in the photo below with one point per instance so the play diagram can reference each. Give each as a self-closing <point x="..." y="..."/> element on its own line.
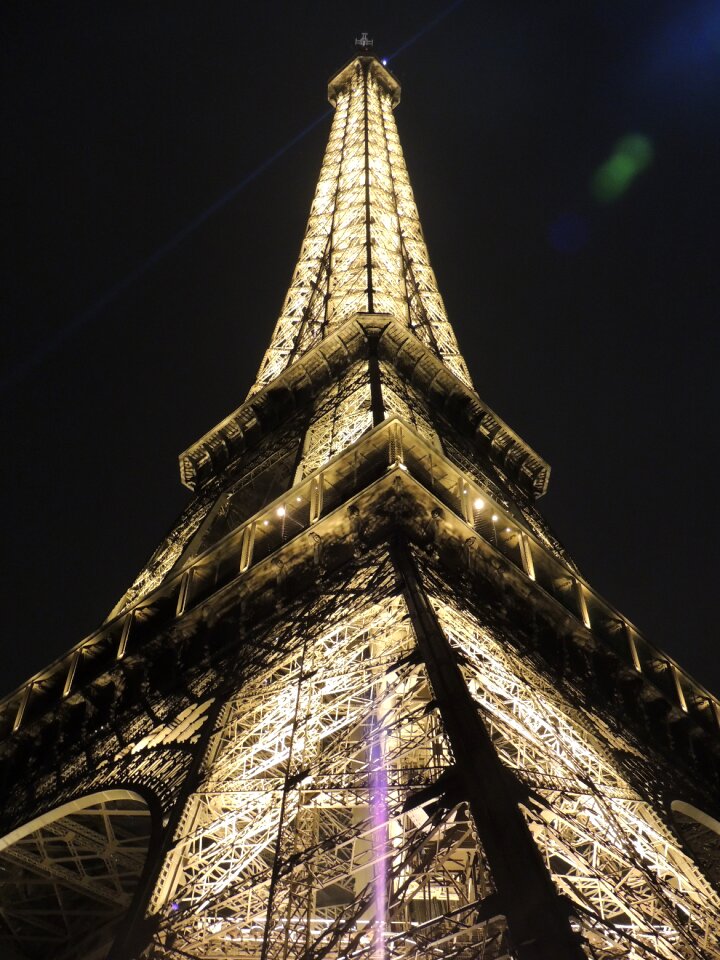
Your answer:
<point x="327" y="817"/>
<point x="317" y="761"/>
<point x="338" y="272"/>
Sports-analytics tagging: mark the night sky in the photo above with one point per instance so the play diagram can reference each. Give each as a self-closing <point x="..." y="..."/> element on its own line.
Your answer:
<point x="153" y="231"/>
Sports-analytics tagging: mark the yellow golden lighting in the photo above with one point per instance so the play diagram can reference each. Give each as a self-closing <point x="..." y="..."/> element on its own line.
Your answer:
<point x="313" y="760"/>
<point x="350" y="217"/>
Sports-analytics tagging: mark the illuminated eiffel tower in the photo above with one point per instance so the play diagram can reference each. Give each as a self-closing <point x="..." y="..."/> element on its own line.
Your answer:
<point x="361" y="703"/>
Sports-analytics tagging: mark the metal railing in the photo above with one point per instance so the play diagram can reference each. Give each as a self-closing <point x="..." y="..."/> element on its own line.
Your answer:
<point x="393" y="445"/>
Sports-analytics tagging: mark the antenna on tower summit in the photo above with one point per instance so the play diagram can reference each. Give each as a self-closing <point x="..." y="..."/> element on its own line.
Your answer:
<point x="364" y="42"/>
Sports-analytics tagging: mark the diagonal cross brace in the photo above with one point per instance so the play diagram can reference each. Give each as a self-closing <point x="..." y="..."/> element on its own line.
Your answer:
<point x="537" y="916"/>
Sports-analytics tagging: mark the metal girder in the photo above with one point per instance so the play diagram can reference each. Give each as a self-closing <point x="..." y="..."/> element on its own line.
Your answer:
<point x="538" y="918"/>
<point x="92" y="840"/>
<point x="363" y="249"/>
<point x="50" y="870"/>
<point x="331" y="819"/>
<point x="65" y="885"/>
<point x="307" y="811"/>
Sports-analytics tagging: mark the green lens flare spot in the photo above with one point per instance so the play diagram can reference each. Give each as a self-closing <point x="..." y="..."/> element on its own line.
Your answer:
<point x="638" y="148"/>
<point x="632" y="154"/>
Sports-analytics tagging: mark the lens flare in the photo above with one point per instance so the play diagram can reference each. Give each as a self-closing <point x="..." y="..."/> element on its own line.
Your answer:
<point x="632" y="154"/>
<point x="380" y="844"/>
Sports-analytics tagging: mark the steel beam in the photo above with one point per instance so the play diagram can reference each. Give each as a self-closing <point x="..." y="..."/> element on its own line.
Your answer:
<point x="538" y="917"/>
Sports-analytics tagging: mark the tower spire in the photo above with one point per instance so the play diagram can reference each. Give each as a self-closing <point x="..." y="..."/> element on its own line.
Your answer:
<point x="364" y="250"/>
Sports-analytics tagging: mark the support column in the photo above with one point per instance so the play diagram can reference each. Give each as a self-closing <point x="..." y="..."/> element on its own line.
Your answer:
<point x="247" y="546"/>
<point x="537" y="916"/>
<point x="135" y="937"/>
<point x="632" y="645"/>
<point x="466" y="507"/>
<point x="184" y="592"/>
<point x="376" y="399"/>
<point x="316" y="498"/>
<point x="581" y="602"/>
<point x="526" y="555"/>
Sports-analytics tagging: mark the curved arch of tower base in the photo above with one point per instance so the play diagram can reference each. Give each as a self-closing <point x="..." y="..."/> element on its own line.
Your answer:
<point x="68" y="878"/>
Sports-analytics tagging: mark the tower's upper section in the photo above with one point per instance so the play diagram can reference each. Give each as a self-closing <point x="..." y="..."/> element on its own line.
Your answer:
<point x="364" y="250"/>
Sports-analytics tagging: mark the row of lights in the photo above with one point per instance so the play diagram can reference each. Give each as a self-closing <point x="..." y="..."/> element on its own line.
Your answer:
<point x="479" y="504"/>
<point x="281" y="512"/>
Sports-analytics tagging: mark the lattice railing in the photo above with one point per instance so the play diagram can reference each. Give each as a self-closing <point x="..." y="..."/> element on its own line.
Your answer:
<point x="390" y="446"/>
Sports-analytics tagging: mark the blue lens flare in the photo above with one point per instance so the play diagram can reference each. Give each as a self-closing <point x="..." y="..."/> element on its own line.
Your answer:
<point x="569" y="233"/>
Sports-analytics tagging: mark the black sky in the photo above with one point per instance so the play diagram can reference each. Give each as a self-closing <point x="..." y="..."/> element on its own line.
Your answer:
<point x="589" y="327"/>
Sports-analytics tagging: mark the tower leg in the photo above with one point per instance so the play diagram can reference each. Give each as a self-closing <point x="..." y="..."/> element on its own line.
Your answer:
<point x="135" y="939"/>
<point x="537" y="916"/>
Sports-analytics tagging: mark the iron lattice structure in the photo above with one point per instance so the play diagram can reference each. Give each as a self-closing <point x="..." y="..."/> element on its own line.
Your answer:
<point x="364" y="250"/>
<point x="361" y="703"/>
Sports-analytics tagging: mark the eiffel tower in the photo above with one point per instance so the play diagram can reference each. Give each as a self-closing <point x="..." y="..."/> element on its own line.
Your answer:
<point x="361" y="703"/>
